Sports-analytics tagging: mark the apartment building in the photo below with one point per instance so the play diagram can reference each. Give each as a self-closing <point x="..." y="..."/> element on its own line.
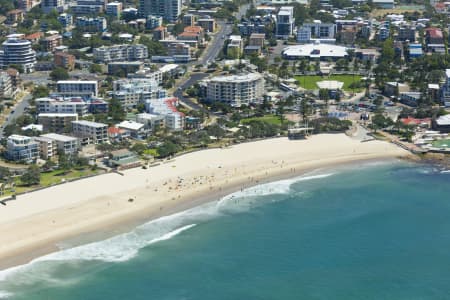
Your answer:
<point x="209" y="25"/>
<point x="106" y="54"/>
<point x="49" y="5"/>
<point x="309" y="32"/>
<point x="167" y="107"/>
<point x="18" y="51"/>
<point x="21" y="148"/>
<point x="90" y="132"/>
<point x="85" y="24"/>
<point x="6" y="88"/>
<point x="257" y="39"/>
<point x="114" y="9"/>
<point x="285" y="22"/>
<point x="235" y="90"/>
<point x="130" y="92"/>
<point x="235" y="46"/>
<point x="47" y="147"/>
<point x="77" y="88"/>
<point x="54" y="106"/>
<point x="406" y="33"/>
<point x="169" y="10"/>
<point x="64" y="60"/>
<point x="49" y="43"/>
<point x="57" y="122"/>
<point x="65" y="144"/>
<point x="66" y="20"/>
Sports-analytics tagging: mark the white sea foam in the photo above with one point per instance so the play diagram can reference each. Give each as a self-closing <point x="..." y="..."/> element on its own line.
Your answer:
<point x="125" y="246"/>
<point x="5" y="295"/>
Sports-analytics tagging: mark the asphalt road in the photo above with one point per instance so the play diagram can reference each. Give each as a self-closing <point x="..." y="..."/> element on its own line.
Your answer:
<point x="17" y="111"/>
<point x="186" y="84"/>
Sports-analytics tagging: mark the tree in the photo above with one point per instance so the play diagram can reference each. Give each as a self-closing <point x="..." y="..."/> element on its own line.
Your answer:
<point x="32" y="176"/>
<point x="215" y="130"/>
<point x="59" y="73"/>
<point x="96" y="68"/>
<point x="116" y="111"/>
<point x="168" y="148"/>
<point x="139" y="148"/>
<point x="379" y="121"/>
<point x="4" y="173"/>
<point x="41" y="91"/>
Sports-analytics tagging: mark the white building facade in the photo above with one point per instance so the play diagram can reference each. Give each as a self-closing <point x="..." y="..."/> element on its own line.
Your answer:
<point x="236" y="90"/>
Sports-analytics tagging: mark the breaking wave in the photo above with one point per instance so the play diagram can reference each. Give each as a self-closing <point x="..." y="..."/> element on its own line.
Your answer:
<point x="124" y="247"/>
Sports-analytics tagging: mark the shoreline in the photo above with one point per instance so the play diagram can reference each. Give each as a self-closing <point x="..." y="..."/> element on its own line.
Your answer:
<point x="182" y="184"/>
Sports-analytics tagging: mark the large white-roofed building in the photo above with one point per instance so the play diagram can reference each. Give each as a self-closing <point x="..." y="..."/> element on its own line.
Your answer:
<point x="235" y="90"/>
<point x="315" y="51"/>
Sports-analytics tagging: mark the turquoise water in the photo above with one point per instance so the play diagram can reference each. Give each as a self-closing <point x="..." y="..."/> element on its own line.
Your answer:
<point x="372" y="231"/>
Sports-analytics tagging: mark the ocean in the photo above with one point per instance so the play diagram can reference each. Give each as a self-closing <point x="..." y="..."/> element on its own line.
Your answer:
<point x="378" y="230"/>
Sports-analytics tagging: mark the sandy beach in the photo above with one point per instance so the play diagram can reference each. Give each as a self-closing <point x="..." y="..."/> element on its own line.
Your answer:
<point x="33" y="224"/>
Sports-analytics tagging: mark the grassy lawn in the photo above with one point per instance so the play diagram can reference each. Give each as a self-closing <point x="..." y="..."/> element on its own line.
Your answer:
<point x="50" y="178"/>
<point x="271" y="119"/>
<point x="309" y="82"/>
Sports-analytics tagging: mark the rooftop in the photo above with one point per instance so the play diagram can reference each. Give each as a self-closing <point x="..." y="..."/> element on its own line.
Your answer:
<point x="237" y="78"/>
<point x="59" y="137"/>
<point x="443" y="120"/>
<point x="315" y="50"/>
<point x="90" y="124"/>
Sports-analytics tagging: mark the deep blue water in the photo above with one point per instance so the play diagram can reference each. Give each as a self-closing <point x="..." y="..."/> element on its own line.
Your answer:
<point x="371" y="231"/>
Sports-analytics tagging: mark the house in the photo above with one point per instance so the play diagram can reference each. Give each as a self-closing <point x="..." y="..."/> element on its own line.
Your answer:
<point x="124" y="159"/>
<point x="136" y="130"/>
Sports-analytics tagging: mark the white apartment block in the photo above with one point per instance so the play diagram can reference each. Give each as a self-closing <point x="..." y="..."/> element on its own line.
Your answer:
<point x="50" y="105"/>
<point x="173" y="119"/>
<point x="235" y="90"/>
<point x="77" y="88"/>
<point x="155" y="75"/>
<point x="169" y="10"/>
<point x="17" y="51"/>
<point x="6" y="88"/>
<point x="317" y="30"/>
<point x="106" y="54"/>
<point x="130" y="92"/>
<point x="47" y="147"/>
<point x="90" y="132"/>
<point x="64" y="143"/>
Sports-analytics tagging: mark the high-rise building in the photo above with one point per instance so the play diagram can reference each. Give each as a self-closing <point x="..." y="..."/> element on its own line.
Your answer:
<point x="235" y="90"/>
<point x="285" y="22"/>
<point x="17" y="51"/>
<point x="170" y="10"/>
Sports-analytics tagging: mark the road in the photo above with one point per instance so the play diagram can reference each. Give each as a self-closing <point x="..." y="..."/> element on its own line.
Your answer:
<point x="209" y="56"/>
<point x="16" y="112"/>
<point x="186" y="84"/>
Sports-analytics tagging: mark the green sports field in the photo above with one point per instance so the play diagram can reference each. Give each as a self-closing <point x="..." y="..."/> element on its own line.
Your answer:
<point x="309" y="81"/>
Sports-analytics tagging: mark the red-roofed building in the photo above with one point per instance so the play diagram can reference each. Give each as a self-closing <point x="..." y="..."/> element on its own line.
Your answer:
<point x="416" y="122"/>
<point x="434" y="36"/>
<point x="117" y="134"/>
<point x="160" y="33"/>
<point x="34" y="37"/>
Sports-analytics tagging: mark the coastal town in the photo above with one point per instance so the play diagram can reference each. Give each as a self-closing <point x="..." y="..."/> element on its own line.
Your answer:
<point x="94" y="86"/>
